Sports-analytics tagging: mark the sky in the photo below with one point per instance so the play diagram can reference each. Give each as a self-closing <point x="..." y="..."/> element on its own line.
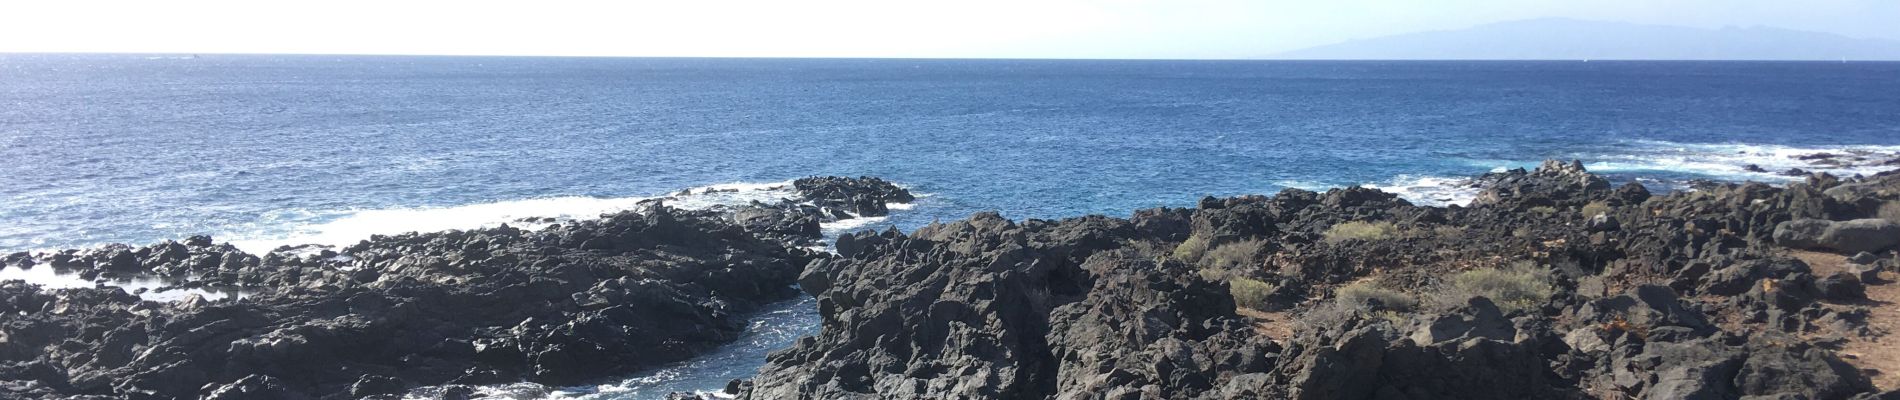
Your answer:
<point x="1194" y="29"/>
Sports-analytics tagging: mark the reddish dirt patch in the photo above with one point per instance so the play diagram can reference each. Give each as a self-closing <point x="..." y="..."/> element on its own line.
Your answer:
<point x="1823" y="264"/>
<point x="1277" y="325"/>
<point x="1879" y="354"/>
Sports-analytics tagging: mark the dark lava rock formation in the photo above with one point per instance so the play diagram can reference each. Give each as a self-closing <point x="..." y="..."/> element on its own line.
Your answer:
<point x="1553" y="284"/>
<point x="820" y="199"/>
<point x="579" y="301"/>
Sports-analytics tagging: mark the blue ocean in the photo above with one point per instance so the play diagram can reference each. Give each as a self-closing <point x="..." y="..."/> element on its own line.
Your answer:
<point x="265" y="151"/>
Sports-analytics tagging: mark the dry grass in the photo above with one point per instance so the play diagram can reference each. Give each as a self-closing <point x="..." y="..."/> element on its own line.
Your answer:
<point x="1363" y="294"/>
<point x="1595" y="208"/>
<point x="1190" y="250"/>
<point x="1519" y="286"/>
<point x="1232" y="257"/>
<point x="1250" y="293"/>
<point x="1360" y="230"/>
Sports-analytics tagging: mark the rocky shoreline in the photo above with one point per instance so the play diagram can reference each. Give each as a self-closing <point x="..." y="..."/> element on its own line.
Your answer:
<point x="575" y="302"/>
<point x="1553" y="284"/>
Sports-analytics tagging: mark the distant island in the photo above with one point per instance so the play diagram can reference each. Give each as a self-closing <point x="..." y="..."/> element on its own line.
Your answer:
<point x="1570" y="39"/>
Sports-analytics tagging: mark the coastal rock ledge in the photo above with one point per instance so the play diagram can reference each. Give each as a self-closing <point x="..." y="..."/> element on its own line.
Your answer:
<point x="576" y="302"/>
<point x="1557" y="285"/>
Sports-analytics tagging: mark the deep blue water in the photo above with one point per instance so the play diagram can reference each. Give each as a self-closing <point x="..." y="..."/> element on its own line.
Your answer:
<point x="276" y="149"/>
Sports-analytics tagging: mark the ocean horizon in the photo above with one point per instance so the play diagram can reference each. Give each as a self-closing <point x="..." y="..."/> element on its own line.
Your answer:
<point x="277" y="148"/>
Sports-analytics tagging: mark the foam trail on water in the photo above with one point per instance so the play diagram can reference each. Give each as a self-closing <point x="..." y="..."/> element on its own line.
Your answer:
<point x="833" y="228"/>
<point x="1430" y="190"/>
<point x="1649" y="160"/>
<point x="145" y="287"/>
<point x="361" y="225"/>
<point x="1730" y="161"/>
<point x="1303" y="185"/>
<point x="352" y="226"/>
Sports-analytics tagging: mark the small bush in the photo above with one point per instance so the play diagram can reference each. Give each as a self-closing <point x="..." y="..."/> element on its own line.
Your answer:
<point x="1190" y="250"/>
<point x="1360" y="295"/>
<point x="1521" y="286"/>
<point x="1448" y="232"/>
<point x="1232" y="256"/>
<point x="1544" y="210"/>
<point x="1889" y="211"/>
<point x="1250" y="293"/>
<point x="1595" y="208"/>
<point x="1359" y="230"/>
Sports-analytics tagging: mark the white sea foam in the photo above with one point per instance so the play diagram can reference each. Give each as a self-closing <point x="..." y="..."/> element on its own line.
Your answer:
<point x="356" y="225"/>
<point x="1730" y="161"/>
<point x="346" y="228"/>
<point x="834" y="227"/>
<point x="45" y="277"/>
<point x="147" y="288"/>
<point x="1430" y="190"/>
<point x="359" y="225"/>
<point x="1304" y="185"/>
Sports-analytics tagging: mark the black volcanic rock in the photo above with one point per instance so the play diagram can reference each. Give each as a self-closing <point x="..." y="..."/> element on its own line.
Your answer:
<point x="579" y="301"/>
<point x="820" y="200"/>
<point x="863" y="196"/>
<point x="1369" y="361"/>
<point x="1552" y="184"/>
<point x="1853" y="236"/>
<point x="1644" y="297"/>
<point x="485" y="306"/>
<point x="994" y="309"/>
<point x="1525" y="294"/>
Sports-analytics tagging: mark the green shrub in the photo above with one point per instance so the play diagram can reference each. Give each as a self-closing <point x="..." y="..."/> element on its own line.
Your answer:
<point x="1544" y="210"/>
<point x="1361" y="294"/>
<point x="1595" y="208"/>
<point x="1890" y="211"/>
<point x="1190" y="250"/>
<point x="1232" y="256"/>
<point x="1250" y="293"/>
<point x="1359" y="230"/>
<point x="1520" y="286"/>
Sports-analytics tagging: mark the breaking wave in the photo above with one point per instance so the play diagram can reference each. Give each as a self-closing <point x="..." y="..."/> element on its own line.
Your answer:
<point x="1740" y="161"/>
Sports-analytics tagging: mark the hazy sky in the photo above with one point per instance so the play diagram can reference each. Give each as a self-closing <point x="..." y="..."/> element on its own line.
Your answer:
<point x="842" y="28"/>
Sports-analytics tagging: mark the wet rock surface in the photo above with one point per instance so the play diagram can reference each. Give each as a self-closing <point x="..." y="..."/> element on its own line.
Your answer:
<point x="575" y="302"/>
<point x="1553" y="284"/>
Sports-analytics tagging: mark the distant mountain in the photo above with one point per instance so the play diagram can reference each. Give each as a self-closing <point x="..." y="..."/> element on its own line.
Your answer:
<point x="1569" y="39"/>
